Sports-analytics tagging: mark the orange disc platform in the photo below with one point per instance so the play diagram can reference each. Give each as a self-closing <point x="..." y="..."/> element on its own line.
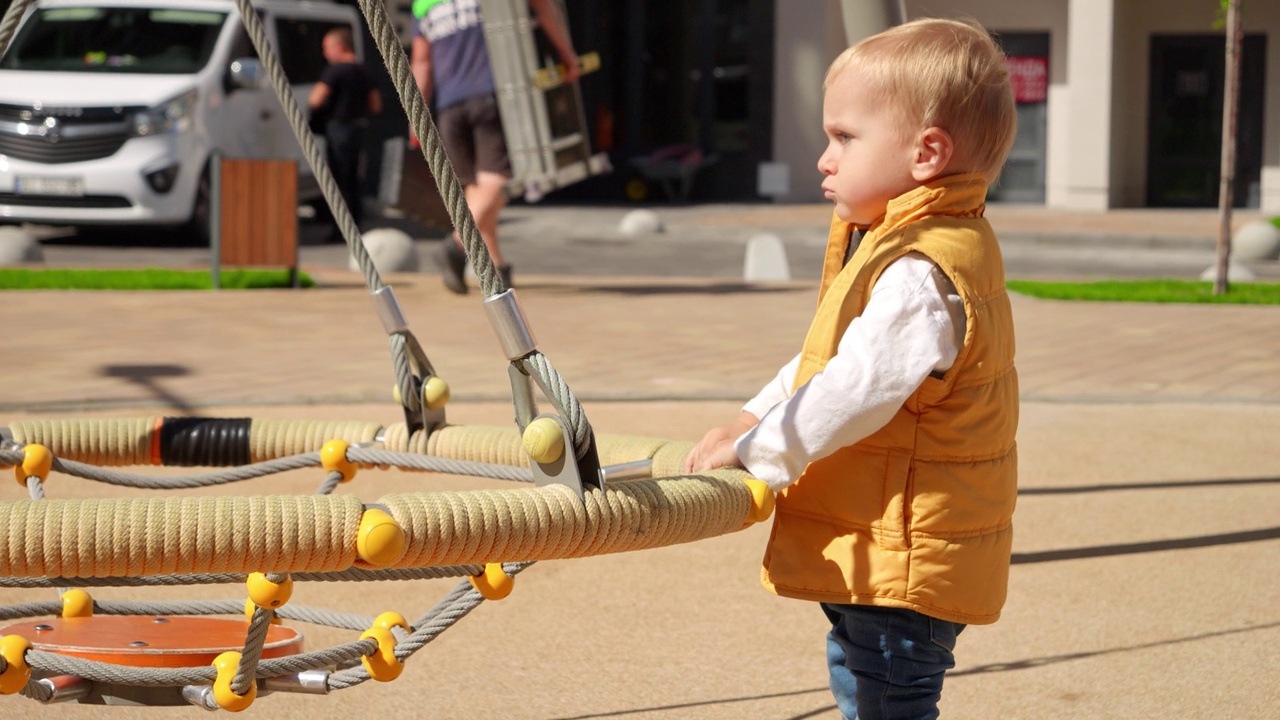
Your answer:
<point x="157" y="641"/>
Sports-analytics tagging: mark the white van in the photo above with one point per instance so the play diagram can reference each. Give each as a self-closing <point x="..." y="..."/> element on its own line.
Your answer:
<point x="111" y="109"/>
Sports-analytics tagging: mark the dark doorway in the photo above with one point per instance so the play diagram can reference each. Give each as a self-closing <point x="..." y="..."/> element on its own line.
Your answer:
<point x="1184" y="146"/>
<point x="691" y="81"/>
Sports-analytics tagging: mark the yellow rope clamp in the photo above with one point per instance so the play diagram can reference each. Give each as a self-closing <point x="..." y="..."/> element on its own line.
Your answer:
<point x="381" y="541"/>
<point x="37" y="461"/>
<point x="227" y="664"/>
<point x="762" y="499"/>
<point x="16" y="674"/>
<point x="383" y="665"/>
<point x="333" y="458"/>
<point x="494" y="583"/>
<point x="543" y="440"/>
<point x="266" y="594"/>
<point x="77" y="603"/>
<point x="435" y="393"/>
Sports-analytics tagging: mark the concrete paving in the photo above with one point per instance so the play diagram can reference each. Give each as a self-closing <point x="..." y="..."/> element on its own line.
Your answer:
<point x="1144" y="582"/>
<point x="709" y="241"/>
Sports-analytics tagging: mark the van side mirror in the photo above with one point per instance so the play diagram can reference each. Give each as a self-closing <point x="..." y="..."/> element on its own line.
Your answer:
<point x="245" y="72"/>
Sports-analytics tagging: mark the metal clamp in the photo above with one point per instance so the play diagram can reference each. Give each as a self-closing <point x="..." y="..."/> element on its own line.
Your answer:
<point x="568" y="469"/>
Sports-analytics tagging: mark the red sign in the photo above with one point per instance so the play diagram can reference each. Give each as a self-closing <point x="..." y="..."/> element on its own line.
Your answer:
<point x="1030" y="78"/>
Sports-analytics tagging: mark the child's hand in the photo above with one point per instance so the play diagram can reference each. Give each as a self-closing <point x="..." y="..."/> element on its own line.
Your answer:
<point x="719" y="455"/>
<point x="715" y="450"/>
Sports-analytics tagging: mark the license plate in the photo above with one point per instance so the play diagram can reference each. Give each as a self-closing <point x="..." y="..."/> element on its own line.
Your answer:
<point x="40" y="185"/>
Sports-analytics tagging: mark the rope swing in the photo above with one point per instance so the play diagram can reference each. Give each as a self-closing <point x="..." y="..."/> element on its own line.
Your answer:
<point x="580" y="495"/>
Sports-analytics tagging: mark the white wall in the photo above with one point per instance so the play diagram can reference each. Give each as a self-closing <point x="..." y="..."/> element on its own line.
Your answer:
<point x="808" y="35"/>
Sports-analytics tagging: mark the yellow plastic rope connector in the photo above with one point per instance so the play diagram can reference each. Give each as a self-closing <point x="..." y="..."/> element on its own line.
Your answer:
<point x="266" y="594"/>
<point x="250" y="607"/>
<point x="77" y="603"/>
<point x="435" y="393"/>
<point x="544" y="440"/>
<point x="37" y="461"/>
<point x="494" y="583"/>
<point x="227" y="663"/>
<point x="762" y="499"/>
<point x="383" y="665"/>
<point x="13" y="648"/>
<point x="381" y="541"/>
<point x="333" y="458"/>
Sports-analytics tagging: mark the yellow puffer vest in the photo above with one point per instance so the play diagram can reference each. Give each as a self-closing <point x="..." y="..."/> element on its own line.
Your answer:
<point x="919" y="514"/>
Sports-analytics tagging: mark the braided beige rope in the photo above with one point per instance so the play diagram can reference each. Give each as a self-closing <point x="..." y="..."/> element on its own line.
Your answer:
<point x="177" y="536"/>
<point x="551" y="522"/>
<point x="139" y="537"/>
<point x="129" y="441"/>
<point x="125" y="538"/>
<point x="502" y="446"/>
<point x="269" y="439"/>
<point x="113" y="441"/>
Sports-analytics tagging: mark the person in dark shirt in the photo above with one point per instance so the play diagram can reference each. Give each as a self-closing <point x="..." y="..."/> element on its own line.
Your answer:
<point x="344" y="98"/>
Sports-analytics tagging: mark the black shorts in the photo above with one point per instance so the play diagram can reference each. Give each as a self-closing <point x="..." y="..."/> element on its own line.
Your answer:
<point x="472" y="135"/>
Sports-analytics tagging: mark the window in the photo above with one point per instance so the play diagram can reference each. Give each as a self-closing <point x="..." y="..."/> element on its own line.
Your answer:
<point x="132" y="40"/>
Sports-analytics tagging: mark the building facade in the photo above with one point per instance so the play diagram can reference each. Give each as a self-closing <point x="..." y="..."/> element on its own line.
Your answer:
<point x="1120" y="101"/>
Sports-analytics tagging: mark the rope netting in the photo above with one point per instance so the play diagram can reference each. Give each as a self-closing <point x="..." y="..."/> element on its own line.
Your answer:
<point x="581" y="494"/>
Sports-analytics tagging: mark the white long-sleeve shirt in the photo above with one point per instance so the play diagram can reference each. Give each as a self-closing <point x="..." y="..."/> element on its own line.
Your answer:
<point x="913" y="326"/>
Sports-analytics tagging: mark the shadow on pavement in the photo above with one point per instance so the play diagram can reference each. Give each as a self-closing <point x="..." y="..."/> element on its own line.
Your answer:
<point x="704" y="703"/>
<point x="705" y="288"/>
<point x="1162" y="485"/>
<point x="146" y="376"/>
<point x="1068" y="657"/>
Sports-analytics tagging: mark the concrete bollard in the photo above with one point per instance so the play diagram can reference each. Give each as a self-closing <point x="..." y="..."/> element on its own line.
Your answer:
<point x="19" y="246"/>
<point x="640" y="222"/>
<point x="390" y="249"/>
<point x="1235" y="274"/>
<point x="1259" y="240"/>
<point x="766" y="259"/>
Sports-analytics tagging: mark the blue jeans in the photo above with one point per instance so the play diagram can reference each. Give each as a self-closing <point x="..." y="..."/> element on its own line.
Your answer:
<point x="888" y="663"/>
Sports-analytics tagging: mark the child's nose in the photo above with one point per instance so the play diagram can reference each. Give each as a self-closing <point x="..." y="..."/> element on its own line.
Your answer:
<point x="825" y="166"/>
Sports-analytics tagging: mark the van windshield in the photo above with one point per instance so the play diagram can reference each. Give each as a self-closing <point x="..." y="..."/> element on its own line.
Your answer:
<point x="115" y="39"/>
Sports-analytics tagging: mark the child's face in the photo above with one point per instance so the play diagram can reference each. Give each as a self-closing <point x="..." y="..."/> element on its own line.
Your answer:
<point x="867" y="162"/>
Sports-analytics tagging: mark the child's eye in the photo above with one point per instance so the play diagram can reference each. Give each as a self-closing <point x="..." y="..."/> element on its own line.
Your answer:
<point x="843" y="138"/>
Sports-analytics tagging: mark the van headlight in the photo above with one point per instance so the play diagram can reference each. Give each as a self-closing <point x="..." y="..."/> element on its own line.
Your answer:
<point x="173" y="115"/>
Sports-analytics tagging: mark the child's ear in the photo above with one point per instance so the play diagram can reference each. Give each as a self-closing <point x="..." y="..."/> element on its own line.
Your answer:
<point x="933" y="152"/>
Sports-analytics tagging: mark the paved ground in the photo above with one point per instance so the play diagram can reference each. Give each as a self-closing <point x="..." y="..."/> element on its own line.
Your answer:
<point x="1144" y="582"/>
<point x="709" y="241"/>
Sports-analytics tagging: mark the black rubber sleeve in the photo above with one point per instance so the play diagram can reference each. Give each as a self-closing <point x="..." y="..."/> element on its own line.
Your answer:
<point x="207" y="442"/>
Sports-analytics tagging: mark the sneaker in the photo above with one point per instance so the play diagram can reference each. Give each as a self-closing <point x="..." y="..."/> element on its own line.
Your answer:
<point x="505" y="272"/>
<point x="452" y="260"/>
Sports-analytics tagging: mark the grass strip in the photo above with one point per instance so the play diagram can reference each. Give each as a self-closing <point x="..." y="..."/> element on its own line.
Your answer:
<point x="145" y="279"/>
<point x="1150" y="291"/>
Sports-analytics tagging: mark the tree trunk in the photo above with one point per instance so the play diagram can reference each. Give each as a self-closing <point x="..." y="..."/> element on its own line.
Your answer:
<point x="1230" y="106"/>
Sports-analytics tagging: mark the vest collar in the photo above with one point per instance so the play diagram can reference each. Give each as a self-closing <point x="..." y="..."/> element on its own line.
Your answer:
<point x="954" y="195"/>
<point x="962" y="195"/>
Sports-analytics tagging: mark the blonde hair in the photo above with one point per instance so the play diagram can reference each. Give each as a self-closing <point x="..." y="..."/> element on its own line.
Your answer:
<point x="941" y="73"/>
